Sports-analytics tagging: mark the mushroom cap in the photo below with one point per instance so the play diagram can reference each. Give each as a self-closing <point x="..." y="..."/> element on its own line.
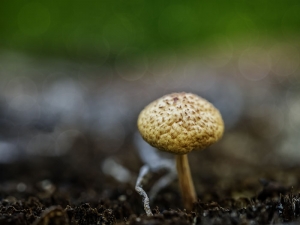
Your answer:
<point x="180" y="123"/>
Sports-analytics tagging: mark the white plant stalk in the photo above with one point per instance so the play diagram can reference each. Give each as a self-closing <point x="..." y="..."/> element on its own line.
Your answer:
<point x="143" y="177"/>
<point x="153" y="163"/>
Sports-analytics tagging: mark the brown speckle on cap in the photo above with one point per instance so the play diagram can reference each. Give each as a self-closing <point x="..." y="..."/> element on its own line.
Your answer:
<point x="188" y="123"/>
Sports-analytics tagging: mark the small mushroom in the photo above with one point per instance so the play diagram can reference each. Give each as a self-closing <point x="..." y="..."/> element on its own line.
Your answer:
<point x="180" y="123"/>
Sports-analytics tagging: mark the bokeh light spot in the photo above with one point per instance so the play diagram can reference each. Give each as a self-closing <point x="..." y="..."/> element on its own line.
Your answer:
<point x="129" y="66"/>
<point x="285" y="60"/>
<point x="168" y="72"/>
<point x="221" y="53"/>
<point x="254" y="64"/>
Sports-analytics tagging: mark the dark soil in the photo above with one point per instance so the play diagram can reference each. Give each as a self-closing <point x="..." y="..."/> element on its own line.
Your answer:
<point x="71" y="189"/>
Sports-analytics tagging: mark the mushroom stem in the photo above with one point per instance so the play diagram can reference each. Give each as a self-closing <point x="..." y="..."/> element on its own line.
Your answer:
<point x="185" y="181"/>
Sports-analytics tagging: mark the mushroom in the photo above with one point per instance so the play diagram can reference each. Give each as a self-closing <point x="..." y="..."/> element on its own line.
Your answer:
<point x="180" y="123"/>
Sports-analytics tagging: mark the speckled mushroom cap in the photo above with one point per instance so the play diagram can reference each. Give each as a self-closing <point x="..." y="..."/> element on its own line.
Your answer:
<point x="180" y="123"/>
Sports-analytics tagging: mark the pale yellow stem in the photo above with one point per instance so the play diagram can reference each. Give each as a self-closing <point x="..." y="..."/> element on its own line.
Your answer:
<point x="185" y="181"/>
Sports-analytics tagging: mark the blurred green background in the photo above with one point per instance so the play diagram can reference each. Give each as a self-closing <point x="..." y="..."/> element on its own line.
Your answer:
<point x="95" y="30"/>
